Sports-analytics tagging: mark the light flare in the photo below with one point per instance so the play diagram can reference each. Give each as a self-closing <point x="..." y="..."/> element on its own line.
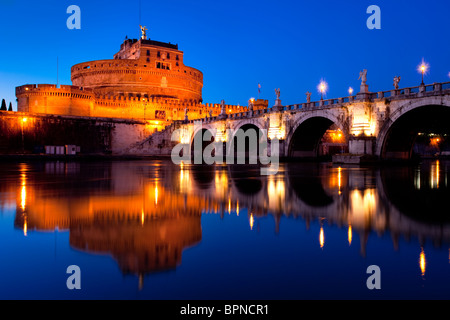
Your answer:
<point x="422" y="262"/>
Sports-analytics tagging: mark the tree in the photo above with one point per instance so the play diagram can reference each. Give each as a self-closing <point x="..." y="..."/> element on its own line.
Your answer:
<point x="3" y="108"/>
<point x="10" y="107"/>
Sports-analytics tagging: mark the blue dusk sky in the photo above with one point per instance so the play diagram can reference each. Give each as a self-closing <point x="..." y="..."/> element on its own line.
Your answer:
<point x="237" y="45"/>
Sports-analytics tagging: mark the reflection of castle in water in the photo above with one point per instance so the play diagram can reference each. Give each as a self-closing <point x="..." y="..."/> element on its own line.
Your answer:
<point x="146" y="215"/>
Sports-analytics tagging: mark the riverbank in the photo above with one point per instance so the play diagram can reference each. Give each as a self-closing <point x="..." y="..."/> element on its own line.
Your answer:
<point x="78" y="157"/>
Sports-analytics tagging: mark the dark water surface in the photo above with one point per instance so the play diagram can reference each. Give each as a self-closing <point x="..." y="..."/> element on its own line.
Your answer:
<point x="153" y="230"/>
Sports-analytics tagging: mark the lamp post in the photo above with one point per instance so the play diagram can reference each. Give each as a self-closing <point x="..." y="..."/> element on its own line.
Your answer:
<point x="322" y="88"/>
<point x="423" y="67"/>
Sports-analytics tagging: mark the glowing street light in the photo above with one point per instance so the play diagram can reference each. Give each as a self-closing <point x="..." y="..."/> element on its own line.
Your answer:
<point x="423" y="68"/>
<point x="350" y="91"/>
<point x="322" y="87"/>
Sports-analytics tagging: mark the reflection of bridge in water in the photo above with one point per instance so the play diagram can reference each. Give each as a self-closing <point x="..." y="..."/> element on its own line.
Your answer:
<point x="145" y="215"/>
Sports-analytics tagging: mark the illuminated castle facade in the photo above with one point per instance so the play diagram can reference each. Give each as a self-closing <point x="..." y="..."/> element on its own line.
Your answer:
<point x="146" y="80"/>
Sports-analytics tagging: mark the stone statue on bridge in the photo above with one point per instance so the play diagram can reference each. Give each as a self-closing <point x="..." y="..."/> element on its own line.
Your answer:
<point x="363" y="76"/>
<point x="222" y="109"/>
<point x="277" y="92"/>
<point x="396" y="81"/>
<point x="308" y="97"/>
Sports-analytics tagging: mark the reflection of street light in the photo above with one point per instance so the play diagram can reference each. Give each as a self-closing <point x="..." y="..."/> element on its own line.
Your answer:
<point x="423" y="68"/>
<point x="322" y="88"/>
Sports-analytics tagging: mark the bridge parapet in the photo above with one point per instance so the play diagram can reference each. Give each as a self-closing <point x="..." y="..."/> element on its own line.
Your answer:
<point x="404" y="93"/>
<point x="413" y="92"/>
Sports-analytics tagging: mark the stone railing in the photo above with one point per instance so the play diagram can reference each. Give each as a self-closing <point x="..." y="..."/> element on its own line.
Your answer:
<point x="410" y="92"/>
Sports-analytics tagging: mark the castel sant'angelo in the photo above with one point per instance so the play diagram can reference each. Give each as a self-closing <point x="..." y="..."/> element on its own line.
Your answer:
<point x="146" y="80"/>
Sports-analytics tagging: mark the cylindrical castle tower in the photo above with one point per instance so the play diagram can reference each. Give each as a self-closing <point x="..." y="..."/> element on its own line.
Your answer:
<point x="145" y="68"/>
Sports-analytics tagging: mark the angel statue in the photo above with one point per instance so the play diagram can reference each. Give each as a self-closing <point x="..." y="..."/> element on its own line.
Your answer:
<point x="396" y="81"/>
<point x="222" y="105"/>
<point x="277" y="92"/>
<point x="363" y="76"/>
<point x="144" y="32"/>
<point x="308" y="97"/>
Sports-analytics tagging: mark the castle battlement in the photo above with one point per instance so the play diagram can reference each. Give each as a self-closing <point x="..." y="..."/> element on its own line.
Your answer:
<point x="54" y="90"/>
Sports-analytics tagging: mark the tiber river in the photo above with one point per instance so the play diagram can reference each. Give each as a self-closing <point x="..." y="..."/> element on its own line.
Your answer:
<point x="155" y="230"/>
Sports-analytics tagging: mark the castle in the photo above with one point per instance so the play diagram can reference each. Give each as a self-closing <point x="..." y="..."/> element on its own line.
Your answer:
<point x="146" y="81"/>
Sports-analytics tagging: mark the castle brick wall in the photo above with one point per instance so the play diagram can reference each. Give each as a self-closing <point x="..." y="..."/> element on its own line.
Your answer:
<point x="77" y="101"/>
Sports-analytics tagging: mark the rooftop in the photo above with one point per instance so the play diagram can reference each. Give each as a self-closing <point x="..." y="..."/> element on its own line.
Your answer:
<point x="154" y="43"/>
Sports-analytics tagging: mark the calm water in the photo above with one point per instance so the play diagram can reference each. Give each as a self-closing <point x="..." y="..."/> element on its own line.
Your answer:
<point x="153" y="230"/>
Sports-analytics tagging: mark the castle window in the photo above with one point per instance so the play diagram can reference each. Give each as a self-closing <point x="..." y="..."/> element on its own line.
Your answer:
<point x="148" y="52"/>
<point x="177" y="58"/>
<point x="177" y="64"/>
<point x="148" y="59"/>
<point x="163" y="65"/>
<point x="168" y="55"/>
<point x="159" y="54"/>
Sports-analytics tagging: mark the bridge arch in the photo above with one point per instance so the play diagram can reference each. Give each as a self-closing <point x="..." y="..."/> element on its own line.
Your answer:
<point x="305" y="135"/>
<point x="250" y="154"/>
<point x="397" y="136"/>
<point x="259" y="123"/>
<point x="205" y="130"/>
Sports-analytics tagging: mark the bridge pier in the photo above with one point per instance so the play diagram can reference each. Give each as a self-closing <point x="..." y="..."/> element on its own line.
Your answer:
<point x="361" y="150"/>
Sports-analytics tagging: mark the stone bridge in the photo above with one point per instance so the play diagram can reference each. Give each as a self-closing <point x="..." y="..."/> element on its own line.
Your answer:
<point x="382" y="125"/>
